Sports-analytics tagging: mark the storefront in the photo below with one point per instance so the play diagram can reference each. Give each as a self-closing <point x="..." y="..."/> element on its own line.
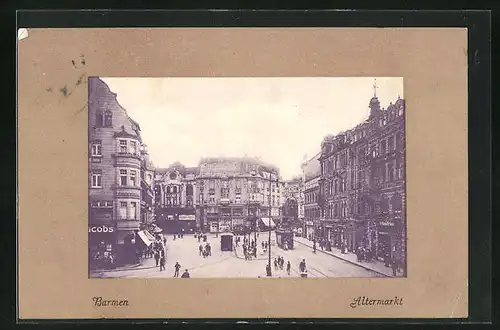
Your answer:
<point x="225" y="223"/>
<point x="354" y="235"/>
<point x="187" y="223"/>
<point x="102" y="246"/>
<point x="213" y="223"/>
<point x="338" y="235"/>
<point x="309" y="230"/>
<point x="328" y="232"/>
<point x="386" y="240"/>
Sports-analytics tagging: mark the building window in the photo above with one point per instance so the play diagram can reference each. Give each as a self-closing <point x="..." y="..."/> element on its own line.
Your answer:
<point x="133" y="210"/>
<point x="123" y="146"/>
<point x="123" y="177"/>
<point x="133" y="147"/>
<point x="399" y="141"/>
<point x="173" y="176"/>
<point x="390" y="142"/>
<point x="96" y="148"/>
<point x="390" y="169"/>
<point x="99" y="122"/>
<point x="382" y="147"/>
<point x="133" y="178"/>
<point x="189" y="190"/>
<point x="174" y="190"/>
<point x="123" y="210"/>
<point x="174" y="201"/>
<point x="96" y="179"/>
<point x="211" y="191"/>
<point x="108" y="118"/>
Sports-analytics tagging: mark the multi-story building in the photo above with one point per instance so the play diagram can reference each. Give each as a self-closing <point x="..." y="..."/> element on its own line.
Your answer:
<point x="175" y="191"/>
<point x="294" y="201"/>
<point x="147" y="192"/>
<point x="311" y="170"/>
<point x="363" y="186"/>
<point x="115" y="176"/>
<point x="238" y="192"/>
<point x="220" y="194"/>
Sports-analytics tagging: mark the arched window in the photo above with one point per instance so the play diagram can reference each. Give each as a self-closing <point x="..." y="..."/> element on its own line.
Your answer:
<point x="108" y="118"/>
<point x="174" y="190"/>
<point x="189" y="190"/>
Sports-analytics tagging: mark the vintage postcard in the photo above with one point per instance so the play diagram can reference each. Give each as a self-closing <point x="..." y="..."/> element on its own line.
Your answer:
<point x="253" y="177"/>
<point x="243" y="173"/>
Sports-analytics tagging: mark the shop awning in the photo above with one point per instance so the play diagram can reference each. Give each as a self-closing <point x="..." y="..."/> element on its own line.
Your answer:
<point x="268" y="222"/>
<point x="145" y="237"/>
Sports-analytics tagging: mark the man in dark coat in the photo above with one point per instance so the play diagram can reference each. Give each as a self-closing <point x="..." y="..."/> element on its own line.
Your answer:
<point x="177" y="267"/>
<point x="185" y="274"/>
<point x="157" y="258"/>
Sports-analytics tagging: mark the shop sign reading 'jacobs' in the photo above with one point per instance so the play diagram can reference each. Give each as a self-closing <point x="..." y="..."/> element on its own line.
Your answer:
<point x="101" y="229"/>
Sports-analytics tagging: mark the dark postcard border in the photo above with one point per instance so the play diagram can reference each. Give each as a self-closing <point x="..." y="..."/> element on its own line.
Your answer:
<point x="479" y="134"/>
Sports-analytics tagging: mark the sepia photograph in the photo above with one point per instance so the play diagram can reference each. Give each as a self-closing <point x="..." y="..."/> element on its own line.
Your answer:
<point x="246" y="177"/>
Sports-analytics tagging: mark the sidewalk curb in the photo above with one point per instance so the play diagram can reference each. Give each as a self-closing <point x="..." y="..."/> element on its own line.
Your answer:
<point x="349" y="261"/>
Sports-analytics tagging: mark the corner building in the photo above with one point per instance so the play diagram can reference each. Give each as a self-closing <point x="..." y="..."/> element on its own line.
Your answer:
<point x="363" y="186"/>
<point x="115" y="159"/>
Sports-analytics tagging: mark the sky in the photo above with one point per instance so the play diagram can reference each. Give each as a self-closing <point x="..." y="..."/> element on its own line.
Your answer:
<point x="282" y="121"/>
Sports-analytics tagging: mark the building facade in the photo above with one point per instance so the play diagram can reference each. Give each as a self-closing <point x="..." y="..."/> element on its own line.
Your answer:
<point x="362" y="185"/>
<point x="147" y="190"/>
<point x="175" y="190"/>
<point x="238" y="192"/>
<point x="294" y="202"/>
<point x="218" y="195"/>
<point x="311" y="171"/>
<point x="116" y="168"/>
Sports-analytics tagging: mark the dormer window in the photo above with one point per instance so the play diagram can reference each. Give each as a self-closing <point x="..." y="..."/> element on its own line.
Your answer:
<point x="173" y="176"/>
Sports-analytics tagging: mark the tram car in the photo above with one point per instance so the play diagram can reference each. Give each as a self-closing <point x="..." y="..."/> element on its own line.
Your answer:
<point x="284" y="239"/>
<point x="226" y="241"/>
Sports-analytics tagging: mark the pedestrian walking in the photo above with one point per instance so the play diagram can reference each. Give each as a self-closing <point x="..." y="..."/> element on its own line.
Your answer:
<point x="209" y="249"/>
<point x="157" y="258"/>
<point x="164" y="240"/>
<point x="288" y="267"/>
<point x="275" y="264"/>
<point x="302" y="265"/>
<point x="177" y="267"/>
<point x="185" y="274"/>
<point x="394" y="265"/>
<point x="268" y="270"/>
<point x="200" y="248"/>
<point x="282" y="263"/>
<point x="162" y="263"/>
<point x="199" y="238"/>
